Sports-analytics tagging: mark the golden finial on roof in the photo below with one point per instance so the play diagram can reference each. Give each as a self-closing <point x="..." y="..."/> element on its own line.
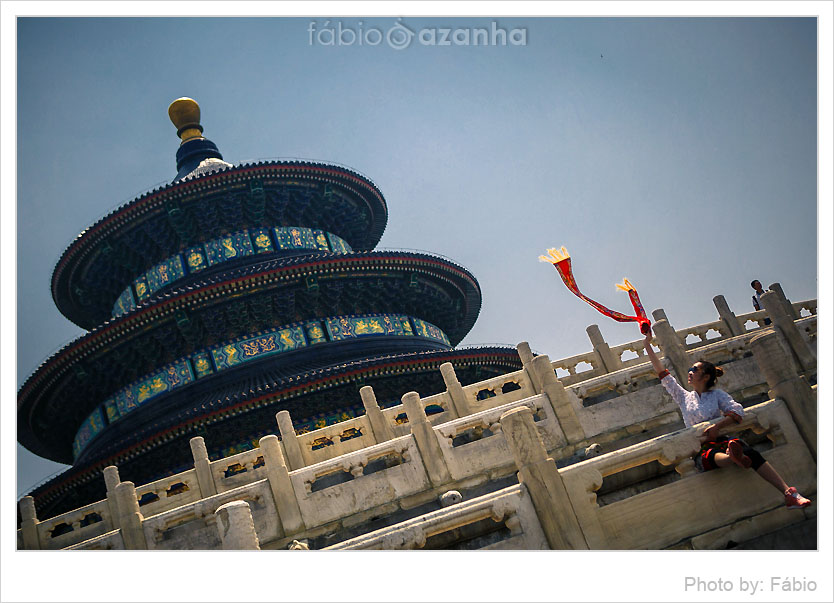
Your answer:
<point x="185" y="115"/>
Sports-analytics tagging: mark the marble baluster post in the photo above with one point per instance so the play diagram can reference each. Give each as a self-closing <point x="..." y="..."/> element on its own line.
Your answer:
<point x="29" y="524"/>
<point x="727" y="316"/>
<point x="785" y="324"/>
<point x="280" y="483"/>
<point x="455" y="390"/>
<point x="783" y="382"/>
<point x="202" y="466"/>
<point x="379" y="424"/>
<point x="610" y="361"/>
<point x="236" y="527"/>
<point x="292" y="449"/>
<point x="670" y="344"/>
<point x="427" y="443"/>
<point x="131" y="518"/>
<point x="540" y="476"/>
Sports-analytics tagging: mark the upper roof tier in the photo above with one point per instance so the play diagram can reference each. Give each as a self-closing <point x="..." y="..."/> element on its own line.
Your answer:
<point x="209" y="199"/>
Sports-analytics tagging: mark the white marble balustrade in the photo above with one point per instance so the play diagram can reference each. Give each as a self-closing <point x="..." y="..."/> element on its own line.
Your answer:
<point x="512" y="506"/>
<point x="320" y="506"/>
<point x="87" y="514"/>
<point x="662" y="516"/>
<point x="491" y="453"/>
<point x="170" y="492"/>
<point x="239" y="469"/>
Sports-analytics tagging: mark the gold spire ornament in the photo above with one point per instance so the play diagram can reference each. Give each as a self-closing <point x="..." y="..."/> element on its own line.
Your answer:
<point x="185" y="115"/>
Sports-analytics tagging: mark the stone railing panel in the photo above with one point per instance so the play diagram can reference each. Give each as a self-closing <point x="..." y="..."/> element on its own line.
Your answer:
<point x="697" y="502"/>
<point x="168" y="493"/>
<point x="578" y="368"/>
<point x="475" y="444"/>
<point x="239" y="469"/>
<point x="335" y="440"/>
<point x="193" y="526"/>
<point x="757" y="319"/>
<point x="512" y="506"/>
<point x="498" y="391"/>
<point x="624" y="410"/>
<point x="340" y="487"/>
<point x="705" y="334"/>
<point x="76" y="526"/>
<point x="809" y="306"/>
<point x="396" y="417"/>
<point x="637" y="355"/>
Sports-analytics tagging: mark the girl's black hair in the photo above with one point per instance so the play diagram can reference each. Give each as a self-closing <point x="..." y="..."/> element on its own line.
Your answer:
<point x="714" y="372"/>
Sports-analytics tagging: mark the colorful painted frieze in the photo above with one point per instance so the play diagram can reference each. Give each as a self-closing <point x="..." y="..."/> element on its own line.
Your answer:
<point x="321" y="240"/>
<point x="91" y="426"/>
<point x="228" y="248"/>
<point x="125" y="303"/>
<point x="202" y="364"/>
<point x="170" y="377"/>
<point x="261" y="241"/>
<point x="315" y="332"/>
<point x="126" y="401"/>
<point x="272" y="342"/>
<point x="111" y="410"/>
<point x="140" y="286"/>
<point x="406" y="325"/>
<point x="165" y="273"/>
<point x="426" y="329"/>
<point x="339" y="328"/>
<point x="294" y="237"/>
<point x="337" y="244"/>
<point x="195" y="259"/>
<point x="343" y="327"/>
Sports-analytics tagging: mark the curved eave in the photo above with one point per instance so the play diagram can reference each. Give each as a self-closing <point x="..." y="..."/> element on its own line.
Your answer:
<point x="87" y="242"/>
<point x="284" y="389"/>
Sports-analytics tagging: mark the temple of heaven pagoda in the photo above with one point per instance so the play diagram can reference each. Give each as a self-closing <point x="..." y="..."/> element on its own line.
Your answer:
<point x="232" y="293"/>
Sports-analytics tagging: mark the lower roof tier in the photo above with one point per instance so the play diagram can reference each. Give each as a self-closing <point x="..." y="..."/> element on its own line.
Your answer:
<point x="111" y="254"/>
<point x="231" y="416"/>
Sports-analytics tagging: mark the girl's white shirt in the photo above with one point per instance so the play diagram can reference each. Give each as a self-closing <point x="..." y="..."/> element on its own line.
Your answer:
<point x="696" y="408"/>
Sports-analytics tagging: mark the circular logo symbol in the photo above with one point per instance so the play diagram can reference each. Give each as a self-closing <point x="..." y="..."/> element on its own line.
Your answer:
<point x="399" y="36"/>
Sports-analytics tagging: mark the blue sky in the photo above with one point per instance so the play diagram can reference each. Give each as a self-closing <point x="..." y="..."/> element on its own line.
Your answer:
<point x="681" y="153"/>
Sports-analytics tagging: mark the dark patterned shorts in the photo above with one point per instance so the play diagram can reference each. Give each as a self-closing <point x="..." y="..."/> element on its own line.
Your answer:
<point x="705" y="459"/>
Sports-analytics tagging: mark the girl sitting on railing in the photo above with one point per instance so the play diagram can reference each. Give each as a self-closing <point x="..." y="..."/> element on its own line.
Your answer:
<point x="705" y="404"/>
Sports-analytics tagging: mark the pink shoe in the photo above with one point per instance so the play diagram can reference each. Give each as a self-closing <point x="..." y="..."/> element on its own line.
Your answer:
<point x="736" y="454"/>
<point x="794" y="500"/>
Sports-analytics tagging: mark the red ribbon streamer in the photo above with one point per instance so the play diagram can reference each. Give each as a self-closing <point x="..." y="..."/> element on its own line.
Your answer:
<point x="561" y="261"/>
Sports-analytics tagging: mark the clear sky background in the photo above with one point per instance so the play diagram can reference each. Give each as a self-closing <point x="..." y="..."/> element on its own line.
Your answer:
<point x="680" y="153"/>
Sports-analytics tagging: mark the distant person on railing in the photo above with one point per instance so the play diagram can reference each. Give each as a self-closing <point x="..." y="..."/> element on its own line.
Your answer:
<point x="757" y="302"/>
<point x="706" y="404"/>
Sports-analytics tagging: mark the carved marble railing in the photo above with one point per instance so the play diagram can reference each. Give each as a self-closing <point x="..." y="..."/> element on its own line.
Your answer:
<point x="382" y="440"/>
<point x="358" y="481"/>
<point x="168" y="493"/>
<point x="511" y="507"/>
<point x="193" y="526"/>
<point x="660" y="517"/>
<point x="237" y="470"/>
<point x="474" y="444"/>
<point x="76" y="526"/>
